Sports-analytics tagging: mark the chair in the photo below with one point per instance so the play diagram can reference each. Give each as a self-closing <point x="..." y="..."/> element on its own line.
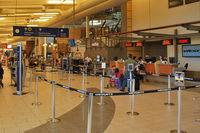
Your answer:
<point x="185" y="67"/>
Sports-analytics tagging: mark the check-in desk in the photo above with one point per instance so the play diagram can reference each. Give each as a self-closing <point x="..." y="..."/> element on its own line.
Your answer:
<point x="167" y="68"/>
<point x="150" y="68"/>
<point x="120" y="66"/>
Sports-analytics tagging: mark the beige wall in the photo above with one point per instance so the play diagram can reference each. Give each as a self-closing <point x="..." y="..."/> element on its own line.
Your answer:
<point x="155" y="13"/>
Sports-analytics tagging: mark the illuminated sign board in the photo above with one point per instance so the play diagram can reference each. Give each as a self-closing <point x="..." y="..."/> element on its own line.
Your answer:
<point x="183" y="41"/>
<point x="138" y="44"/>
<point x="8" y="46"/>
<point x="167" y="42"/>
<point x="129" y="44"/>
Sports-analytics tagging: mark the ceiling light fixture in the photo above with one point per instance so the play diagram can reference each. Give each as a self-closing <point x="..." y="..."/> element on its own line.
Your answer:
<point x="46" y="17"/>
<point x="68" y="2"/>
<point x="41" y="20"/>
<point x="53" y="13"/>
<point x="48" y="13"/>
<point x="5" y="34"/>
<point x="2" y="18"/>
<point x="60" y="2"/>
<point x="54" y="2"/>
<point x="32" y="25"/>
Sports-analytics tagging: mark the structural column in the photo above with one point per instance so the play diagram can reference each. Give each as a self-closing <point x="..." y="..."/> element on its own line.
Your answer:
<point x="87" y="27"/>
<point x="45" y="48"/>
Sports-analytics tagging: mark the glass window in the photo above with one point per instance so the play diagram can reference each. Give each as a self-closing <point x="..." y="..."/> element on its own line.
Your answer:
<point x="190" y="1"/>
<point x="175" y="3"/>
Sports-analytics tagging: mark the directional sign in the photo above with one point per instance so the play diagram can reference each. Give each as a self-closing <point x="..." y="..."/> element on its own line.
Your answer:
<point x="40" y="31"/>
<point x="24" y="31"/>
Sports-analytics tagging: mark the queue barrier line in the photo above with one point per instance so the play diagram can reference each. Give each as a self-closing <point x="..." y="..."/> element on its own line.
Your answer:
<point x="66" y="87"/>
<point x="117" y="94"/>
<point x="89" y="125"/>
<point x="146" y="74"/>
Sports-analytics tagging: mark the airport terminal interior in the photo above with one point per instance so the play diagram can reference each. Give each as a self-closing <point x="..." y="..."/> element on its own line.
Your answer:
<point x="99" y="66"/>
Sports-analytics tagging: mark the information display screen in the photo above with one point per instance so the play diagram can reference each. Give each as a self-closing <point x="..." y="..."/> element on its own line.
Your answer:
<point x="179" y="78"/>
<point x="130" y="67"/>
<point x="191" y="50"/>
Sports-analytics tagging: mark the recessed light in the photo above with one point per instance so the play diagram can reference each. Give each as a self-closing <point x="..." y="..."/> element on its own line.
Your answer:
<point x="32" y="25"/>
<point x="46" y="17"/>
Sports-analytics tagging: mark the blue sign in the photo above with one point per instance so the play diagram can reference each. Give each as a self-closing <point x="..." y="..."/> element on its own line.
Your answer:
<point x="19" y="68"/>
<point x="40" y="31"/>
<point x="24" y="31"/>
<point x="191" y="50"/>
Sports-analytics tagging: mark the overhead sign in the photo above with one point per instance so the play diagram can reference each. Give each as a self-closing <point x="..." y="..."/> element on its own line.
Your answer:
<point x="138" y="44"/>
<point x="129" y="44"/>
<point x="183" y="40"/>
<point x="167" y="42"/>
<point x="40" y="31"/>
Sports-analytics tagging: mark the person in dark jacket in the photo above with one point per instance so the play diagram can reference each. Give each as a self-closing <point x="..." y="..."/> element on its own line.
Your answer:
<point x="1" y="76"/>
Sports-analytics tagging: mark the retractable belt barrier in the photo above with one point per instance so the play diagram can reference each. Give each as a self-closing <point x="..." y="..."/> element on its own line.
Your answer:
<point x="117" y="94"/>
<point x="132" y="93"/>
<point x="146" y="74"/>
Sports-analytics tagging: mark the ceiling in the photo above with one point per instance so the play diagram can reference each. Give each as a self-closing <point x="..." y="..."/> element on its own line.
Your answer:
<point x="29" y="12"/>
<point x="25" y="12"/>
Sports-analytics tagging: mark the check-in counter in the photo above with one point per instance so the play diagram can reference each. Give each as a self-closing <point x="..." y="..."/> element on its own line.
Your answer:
<point x="167" y="68"/>
<point x="150" y="68"/>
<point x="120" y="66"/>
<point x="160" y="68"/>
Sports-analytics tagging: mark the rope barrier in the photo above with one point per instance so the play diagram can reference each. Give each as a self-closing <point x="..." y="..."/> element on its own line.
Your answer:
<point x="117" y="94"/>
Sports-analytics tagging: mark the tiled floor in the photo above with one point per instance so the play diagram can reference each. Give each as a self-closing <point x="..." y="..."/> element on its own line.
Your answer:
<point x="17" y="114"/>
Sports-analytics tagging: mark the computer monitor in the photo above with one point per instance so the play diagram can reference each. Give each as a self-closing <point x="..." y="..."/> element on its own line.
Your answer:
<point x="171" y="60"/>
<point x="71" y="43"/>
<point x="98" y="58"/>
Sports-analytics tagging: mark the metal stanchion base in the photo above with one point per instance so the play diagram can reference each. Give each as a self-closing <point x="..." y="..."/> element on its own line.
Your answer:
<point x="83" y="96"/>
<point x="132" y="113"/>
<point x="101" y="103"/>
<point x="169" y="104"/>
<point x="22" y="93"/>
<point x="176" y="131"/>
<point x="197" y="120"/>
<point x="36" y="104"/>
<point x="53" y="121"/>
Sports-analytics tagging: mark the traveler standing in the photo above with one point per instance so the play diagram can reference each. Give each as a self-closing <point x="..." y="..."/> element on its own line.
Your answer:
<point x="1" y="76"/>
<point x="127" y="73"/>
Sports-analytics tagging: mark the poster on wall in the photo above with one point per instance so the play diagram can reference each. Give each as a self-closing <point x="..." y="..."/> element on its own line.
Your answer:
<point x="191" y="50"/>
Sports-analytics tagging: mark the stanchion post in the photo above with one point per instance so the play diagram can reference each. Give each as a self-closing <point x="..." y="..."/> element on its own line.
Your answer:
<point x="53" y="119"/>
<point x="30" y="81"/>
<point x="169" y="92"/>
<point x="101" y="91"/>
<point x="83" y="85"/>
<point x="59" y="75"/>
<point x="36" y="92"/>
<point x="132" y="89"/>
<point x="51" y="76"/>
<point x="69" y="80"/>
<point x="89" y="123"/>
<point x="179" y="81"/>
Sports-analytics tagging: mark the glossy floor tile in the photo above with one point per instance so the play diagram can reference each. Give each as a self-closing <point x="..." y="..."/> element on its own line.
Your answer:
<point x="18" y="115"/>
